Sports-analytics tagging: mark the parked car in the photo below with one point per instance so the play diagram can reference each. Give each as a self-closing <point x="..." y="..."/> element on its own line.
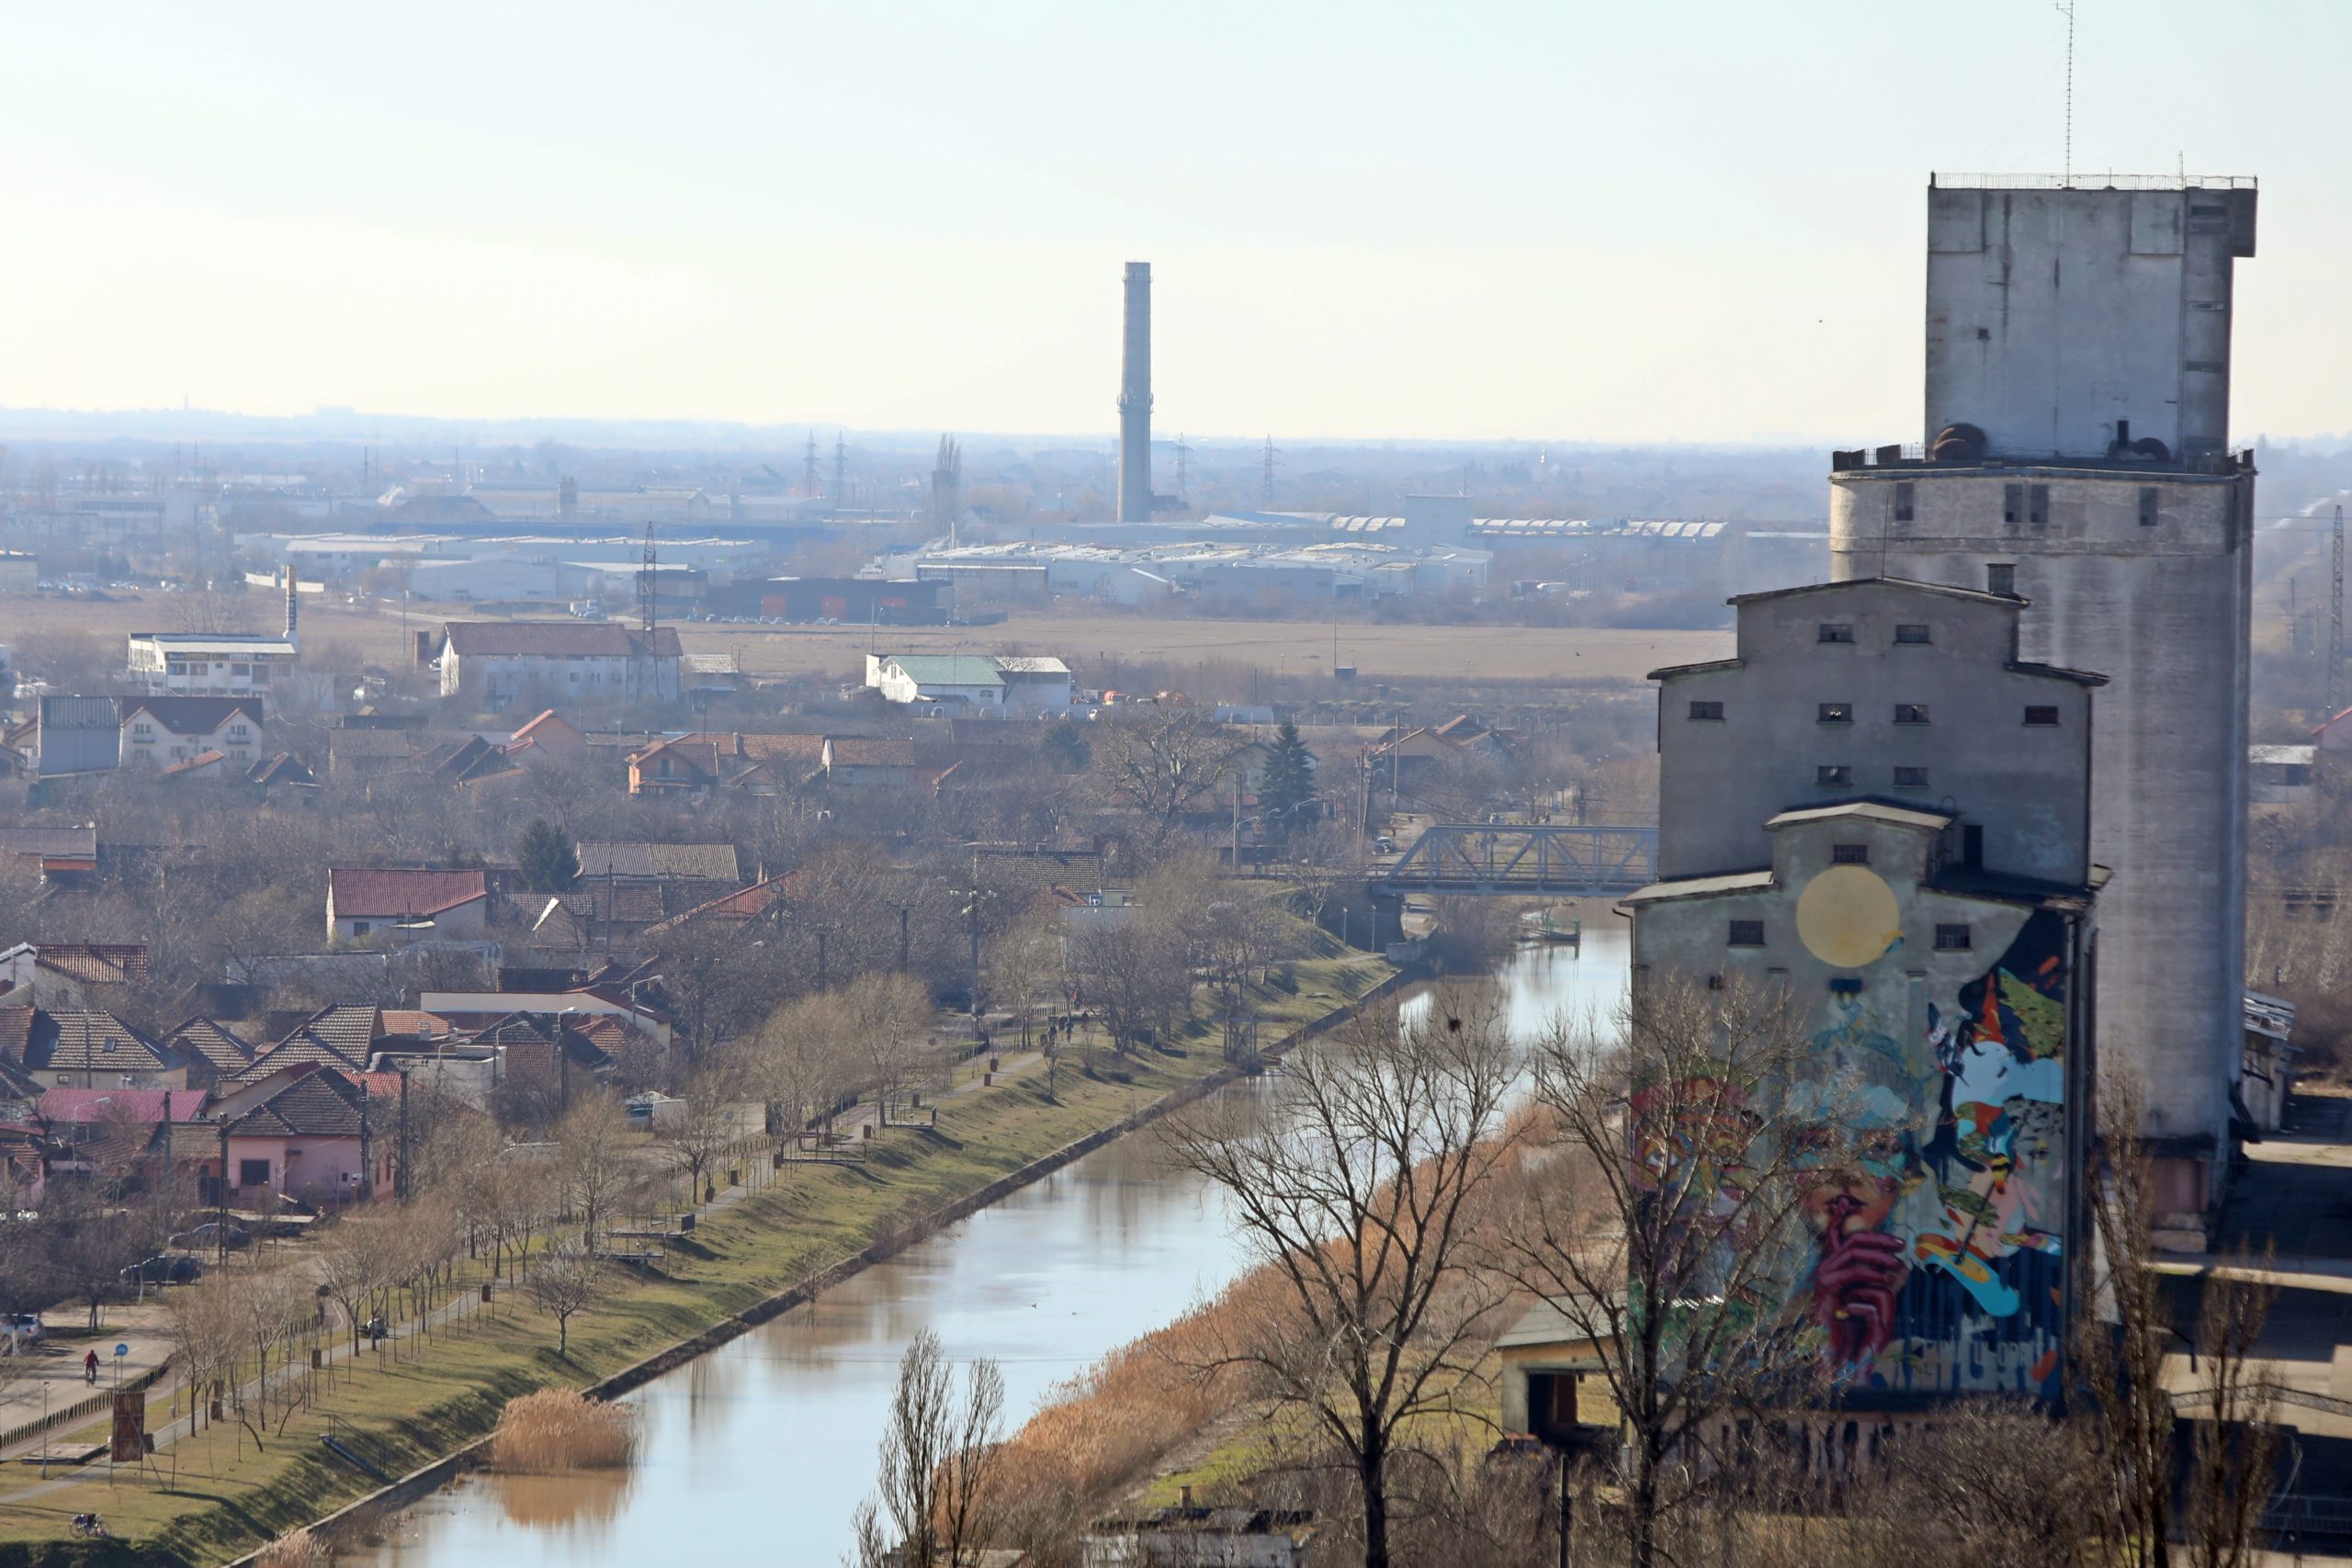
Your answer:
<point x="21" y="1330"/>
<point x="165" y="1268"/>
<point x="1384" y="845"/>
<point x="206" y="1237"/>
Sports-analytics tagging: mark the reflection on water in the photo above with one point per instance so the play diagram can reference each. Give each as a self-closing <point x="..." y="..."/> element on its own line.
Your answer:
<point x="758" y="1451"/>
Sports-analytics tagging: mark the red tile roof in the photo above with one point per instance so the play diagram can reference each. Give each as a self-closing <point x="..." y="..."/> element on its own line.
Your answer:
<point x="100" y="963"/>
<point x="141" y="1105"/>
<point x="389" y="893"/>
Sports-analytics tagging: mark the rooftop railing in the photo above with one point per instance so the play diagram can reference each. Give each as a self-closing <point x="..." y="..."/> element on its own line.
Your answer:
<point x="2092" y="181"/>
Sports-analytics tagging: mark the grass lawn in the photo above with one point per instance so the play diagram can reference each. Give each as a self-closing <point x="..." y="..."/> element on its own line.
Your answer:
<point x="228" y="1498"/>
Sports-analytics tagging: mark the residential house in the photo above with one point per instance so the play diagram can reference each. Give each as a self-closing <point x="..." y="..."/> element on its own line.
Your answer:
<point x="646" y="862"/>
<point x="549" y="738"/>
<point x="70" y="975"/>
<point x="685" y="764"/>
<point x="285" y="775"/>
<point x="629" y="1005"/>
<point x="733" y="909"/>
<point x="212" y="1051"/>
<point x="128" y="1107"/>
<point x="68" y="1048"/>
<point x="304" y="1133"/>
<point x="403" y="905"/>
<point x="496" y="662"/>
<point x="859" y="763"/>
<point x="1036" y="687"/>
<point x="216" y="663"/>
<point x="160" y="731"/>
<point x="54" y="854"/>
<point x="969" y="682"/>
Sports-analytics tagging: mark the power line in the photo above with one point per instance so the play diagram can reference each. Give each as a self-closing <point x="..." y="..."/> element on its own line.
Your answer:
<point x="1266" y="484"/>
<point x="2335" y="619"/>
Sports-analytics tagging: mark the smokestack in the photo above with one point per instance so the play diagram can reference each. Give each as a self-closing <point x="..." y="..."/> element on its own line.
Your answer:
<point x="291" y="611"/>
<point x="1135" y="401"/>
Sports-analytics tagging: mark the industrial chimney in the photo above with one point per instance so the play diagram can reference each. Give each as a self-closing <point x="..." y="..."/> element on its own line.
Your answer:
<point x="1135" y="401"/>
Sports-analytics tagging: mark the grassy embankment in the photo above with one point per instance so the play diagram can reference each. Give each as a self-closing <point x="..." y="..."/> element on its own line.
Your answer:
<point x="227" y="1498"/>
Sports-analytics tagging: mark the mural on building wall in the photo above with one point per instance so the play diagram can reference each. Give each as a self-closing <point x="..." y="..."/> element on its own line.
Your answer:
<point x="1936" y="1249"/>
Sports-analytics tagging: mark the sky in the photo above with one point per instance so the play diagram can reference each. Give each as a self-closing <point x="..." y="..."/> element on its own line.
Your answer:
<point x="1698" y="222"/>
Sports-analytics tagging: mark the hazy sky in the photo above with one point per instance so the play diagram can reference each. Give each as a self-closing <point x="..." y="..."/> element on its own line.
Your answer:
<point x="1695" y="221"/>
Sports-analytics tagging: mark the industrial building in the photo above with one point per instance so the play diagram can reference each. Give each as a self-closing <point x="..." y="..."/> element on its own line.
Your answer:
<point x="1205" y="568"/>
<point x="855" y="601"/>
<point x="973" y="685"/>
<point x="216" y="663"/>
<point x="1917" y="882"/>
<point x="2076" y="454"/>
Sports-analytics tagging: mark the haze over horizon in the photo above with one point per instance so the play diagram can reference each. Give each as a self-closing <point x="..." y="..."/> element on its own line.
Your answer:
<point x="1370" y="223"/>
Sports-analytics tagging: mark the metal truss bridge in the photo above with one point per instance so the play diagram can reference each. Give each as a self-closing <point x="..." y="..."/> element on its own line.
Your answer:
<point x="1524" y="859"/>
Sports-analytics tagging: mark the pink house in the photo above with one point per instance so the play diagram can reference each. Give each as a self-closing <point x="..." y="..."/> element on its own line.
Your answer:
<point x="304" y="1133"/>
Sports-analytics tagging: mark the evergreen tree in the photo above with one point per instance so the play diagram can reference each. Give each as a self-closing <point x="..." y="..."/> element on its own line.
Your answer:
<point x="1287" y="790"/>
<point x="548" y="861"/>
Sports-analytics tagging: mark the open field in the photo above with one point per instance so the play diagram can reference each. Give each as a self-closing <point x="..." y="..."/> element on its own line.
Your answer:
<point x="1300" y="648"/>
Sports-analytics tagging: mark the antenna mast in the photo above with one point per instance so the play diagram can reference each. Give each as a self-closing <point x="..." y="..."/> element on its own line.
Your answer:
<point x="2066" y="9"/>
<point x="841" y="467"/>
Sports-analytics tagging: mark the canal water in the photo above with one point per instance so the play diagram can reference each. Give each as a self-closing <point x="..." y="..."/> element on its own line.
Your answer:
<point x="758" y="1451"/>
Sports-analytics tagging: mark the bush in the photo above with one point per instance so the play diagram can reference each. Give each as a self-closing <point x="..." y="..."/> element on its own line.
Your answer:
<point x="558" y="1429"/>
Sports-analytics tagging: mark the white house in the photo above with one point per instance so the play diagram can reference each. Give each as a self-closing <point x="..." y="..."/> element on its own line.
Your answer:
<point x="160" y="731"/>
<point x="975" y="685"/>
<point x="499" y="660"/>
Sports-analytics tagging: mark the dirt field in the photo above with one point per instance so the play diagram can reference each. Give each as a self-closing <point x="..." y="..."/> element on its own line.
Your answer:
<point x="1297" y="647"/>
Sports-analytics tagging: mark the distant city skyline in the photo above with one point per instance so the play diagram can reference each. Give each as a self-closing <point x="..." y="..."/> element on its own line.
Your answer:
<point x="1698" y="224"/>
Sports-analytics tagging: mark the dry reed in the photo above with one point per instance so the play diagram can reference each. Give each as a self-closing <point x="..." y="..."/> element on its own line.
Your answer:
<point x="558" y="1429"/>
<point x="299" y="1550"/>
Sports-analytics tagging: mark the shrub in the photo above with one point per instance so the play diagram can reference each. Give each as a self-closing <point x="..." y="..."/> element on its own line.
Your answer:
<point x="558" y="1429"/>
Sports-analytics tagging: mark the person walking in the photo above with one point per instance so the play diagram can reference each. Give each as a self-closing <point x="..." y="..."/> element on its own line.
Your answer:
<point x="90" y="1367"/>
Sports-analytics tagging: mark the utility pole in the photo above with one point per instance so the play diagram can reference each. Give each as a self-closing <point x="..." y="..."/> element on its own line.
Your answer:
<point x="2335" y="620"/>
<point x="644" y="590"/>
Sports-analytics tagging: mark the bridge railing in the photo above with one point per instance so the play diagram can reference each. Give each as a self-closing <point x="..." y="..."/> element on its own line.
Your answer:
<point x="1524" y="858"/>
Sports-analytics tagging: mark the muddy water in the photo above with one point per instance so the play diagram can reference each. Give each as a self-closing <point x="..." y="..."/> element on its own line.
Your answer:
<point x="758" y="1451"/>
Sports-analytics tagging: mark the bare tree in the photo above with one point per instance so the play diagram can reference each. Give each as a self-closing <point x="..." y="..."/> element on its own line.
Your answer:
<point x="1358" y="1183"/>
<point x="1160" y="765"/>
<point x="939" y="1460"/>
<point x="596" y="1163"/>
<point x="568" y="1282"/>
<point x="356" y="1261"/>
<point x="889" y="1015"/>
<point x="703" y="1134"/>
<point x="801" y="1062"/>
<point x="2234" y="1453"/>
<point x="1657" y="1260"/>
<point x="1023" y="962"/>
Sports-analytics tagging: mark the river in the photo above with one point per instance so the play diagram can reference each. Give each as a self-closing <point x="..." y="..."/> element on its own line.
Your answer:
<point x="758" y="1451"/>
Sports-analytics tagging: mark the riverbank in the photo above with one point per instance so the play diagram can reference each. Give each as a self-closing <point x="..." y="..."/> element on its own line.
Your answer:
<point x="814" y="1226"/>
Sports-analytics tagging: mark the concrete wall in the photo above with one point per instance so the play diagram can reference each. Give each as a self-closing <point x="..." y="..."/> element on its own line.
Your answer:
<point x="2164" y="611"/>
<point x="2054" y="314"/>
<point x="1719" y="781"/>
<point x="1961" y="1064"/>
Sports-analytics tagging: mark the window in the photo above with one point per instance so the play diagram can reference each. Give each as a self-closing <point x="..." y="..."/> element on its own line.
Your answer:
<point x="2147" y="506"/>
<point x="359" y="928"/>
<point x="1952" y="938"/>
<point x="1903" y="501"/>
<point x="1910" y="778"/>
<point x="1911" y="634"/>
<point x="1745" y="933"/>
<point x="1833" y="774"/>
<point x="245" y="670"/>
<point x="2037" y="506"/>
<point x="1837" y="631"/>
<point x="1910" y="713"/>
<point x="2001" y="577"/>
<point x="1707" y="710"/>
<point x="2042" y="719"/>
<point x="252" y="1173"/>
<point x="142" y="732"/>
<point x="2012" y="503"/>
<point x="1850" y="854"/>
<point x="1836" y="713"/>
